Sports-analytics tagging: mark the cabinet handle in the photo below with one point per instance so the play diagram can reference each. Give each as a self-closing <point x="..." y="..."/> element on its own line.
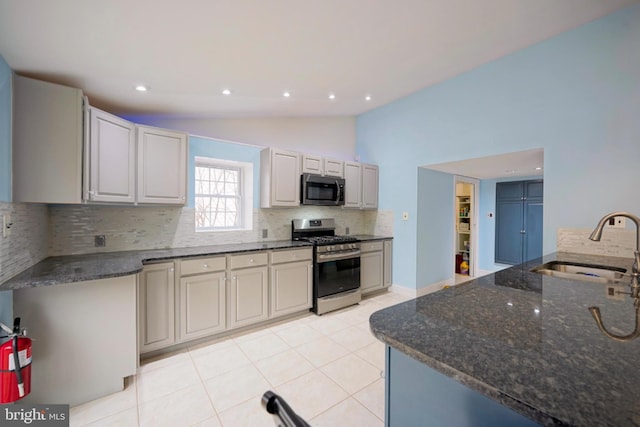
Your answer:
<point x="205" y="266"/>
<point x="251" y="260"/>
<point x="523" y="231"/>
<point x="171" y="270"/>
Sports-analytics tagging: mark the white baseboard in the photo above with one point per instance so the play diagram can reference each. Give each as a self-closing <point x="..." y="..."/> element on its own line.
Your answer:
<point x="415" y="293"/>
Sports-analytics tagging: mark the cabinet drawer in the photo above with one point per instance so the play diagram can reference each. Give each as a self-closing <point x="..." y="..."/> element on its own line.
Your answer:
<point x="279" y="257"/>
<point x="202" y="265"/>
<point x="370" y="246"/>
<point x="248" y="260"/>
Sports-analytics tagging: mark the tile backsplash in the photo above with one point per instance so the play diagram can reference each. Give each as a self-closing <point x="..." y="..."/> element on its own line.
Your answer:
<point x="27" y="244"/>
<point x="614" y="242"/>
<point x="72" y="228"/>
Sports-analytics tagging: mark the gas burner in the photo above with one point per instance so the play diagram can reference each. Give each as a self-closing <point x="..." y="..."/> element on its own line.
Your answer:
<point x="327" y="240"/>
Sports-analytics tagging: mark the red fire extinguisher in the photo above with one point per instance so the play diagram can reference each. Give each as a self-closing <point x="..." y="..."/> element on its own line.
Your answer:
<point x="15" y="364"/>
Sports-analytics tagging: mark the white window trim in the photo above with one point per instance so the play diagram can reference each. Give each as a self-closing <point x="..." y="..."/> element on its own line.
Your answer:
<point x="246" y="181"/>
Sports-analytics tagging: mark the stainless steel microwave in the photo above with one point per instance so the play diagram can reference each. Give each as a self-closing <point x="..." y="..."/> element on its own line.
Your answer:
<point x="321" y="190"/>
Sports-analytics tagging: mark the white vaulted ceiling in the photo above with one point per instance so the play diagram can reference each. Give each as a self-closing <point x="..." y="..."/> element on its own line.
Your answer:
<point x="188" y="51"/>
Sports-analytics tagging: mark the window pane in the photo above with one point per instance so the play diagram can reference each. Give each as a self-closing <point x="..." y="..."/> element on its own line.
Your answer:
<point x="202" y="173"/>
<point x="218" y="201"/>
<point x="231" y="175"/>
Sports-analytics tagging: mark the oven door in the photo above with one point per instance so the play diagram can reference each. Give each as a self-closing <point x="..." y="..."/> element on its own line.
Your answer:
<point x="321" y="190"/>
<point x="338" y="272"/>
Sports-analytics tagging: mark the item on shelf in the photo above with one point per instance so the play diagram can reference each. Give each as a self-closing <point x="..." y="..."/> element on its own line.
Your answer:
<point x="464" y="226"/>
<point x="464" y="267"/>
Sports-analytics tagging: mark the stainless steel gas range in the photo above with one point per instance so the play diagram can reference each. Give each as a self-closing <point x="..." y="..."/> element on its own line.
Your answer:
<point x="336" y="264"/>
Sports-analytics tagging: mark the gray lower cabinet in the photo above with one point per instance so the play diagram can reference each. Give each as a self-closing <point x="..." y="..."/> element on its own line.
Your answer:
<point x="291" y="281"/>
<point x="375" y="265"/>
<point x="156" y="293"/>
<point x="387" y="252"/>
<point x="371" y="267"/>
<point x="248" y="289"/>
<point x="202" y="298"/>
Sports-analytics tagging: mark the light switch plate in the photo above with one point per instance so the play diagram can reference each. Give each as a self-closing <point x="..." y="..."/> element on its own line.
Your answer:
<point x="405" y="216"/>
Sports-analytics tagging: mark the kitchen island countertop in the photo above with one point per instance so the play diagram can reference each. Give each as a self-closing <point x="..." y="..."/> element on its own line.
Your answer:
<point x="529" y="342"/>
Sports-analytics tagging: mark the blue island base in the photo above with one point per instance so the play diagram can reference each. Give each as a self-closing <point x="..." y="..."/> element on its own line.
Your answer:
<point x="418" y="396"/>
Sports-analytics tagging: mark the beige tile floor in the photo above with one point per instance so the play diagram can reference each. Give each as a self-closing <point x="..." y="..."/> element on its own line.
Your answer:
<point x="328" y="368"/>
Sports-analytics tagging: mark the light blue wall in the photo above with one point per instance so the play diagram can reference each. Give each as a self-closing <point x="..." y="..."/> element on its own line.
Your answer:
<point x="5" y="131"/>
<point x="576" y="95"/>
<point x="205" y="147"/>
<point x="435" y="225"/>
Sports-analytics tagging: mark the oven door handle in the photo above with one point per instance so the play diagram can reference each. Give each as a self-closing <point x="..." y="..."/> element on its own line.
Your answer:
<point x="337" y="257"/>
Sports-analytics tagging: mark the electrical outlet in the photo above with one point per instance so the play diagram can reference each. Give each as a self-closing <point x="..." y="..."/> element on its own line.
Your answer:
<point x="6" y="225"/>
<point x="100" y="241"/>
<point x="617" y="222"/>
<point x="265" y="233"/>
<point x="405" y="216"/>
<point x="346" y="230"/>
<point x="616" y="292"/>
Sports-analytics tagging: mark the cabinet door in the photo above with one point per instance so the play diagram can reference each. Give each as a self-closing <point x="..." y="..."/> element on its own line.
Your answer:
<point x="533" y="229"/>
<point x="334" y="168"/>
<point x="353" y="185"/>
<point x="47" y="135"/>
<point x="162" y="166"/>
<point x="311" y="164"/>
<point x="202" y="305"/>
<point x="291" y="287"/>
<point x="388" y="263"/>
<point x="371" y="274"/>
<point x="509" y="232"/>
<point x="157" y="311"/>
<point x="285" y="187"/>
<point x="279" y="178"/>
<point x="248" y="296"/>
<point x="112" y="153"/>
<point x="369" y="187"/>
<point x="509" y="190"/>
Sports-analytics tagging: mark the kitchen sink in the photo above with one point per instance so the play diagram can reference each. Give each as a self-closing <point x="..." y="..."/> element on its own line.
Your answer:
<point x="582" y="272"/>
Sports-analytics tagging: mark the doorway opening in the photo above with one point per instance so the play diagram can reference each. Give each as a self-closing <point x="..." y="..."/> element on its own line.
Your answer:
<point x="465" y="214"/>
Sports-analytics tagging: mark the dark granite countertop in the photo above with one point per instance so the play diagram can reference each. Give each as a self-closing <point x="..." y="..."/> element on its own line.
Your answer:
<point x="529" y="342"/>
<point x="78" y="268"/>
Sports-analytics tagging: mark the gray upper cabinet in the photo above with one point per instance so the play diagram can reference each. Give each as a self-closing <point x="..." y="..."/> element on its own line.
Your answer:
<point x="279" y="178"/>
<point x="311" y="164"/>
<point x="47" y="142"/>
<point x="361" y="185"/>
<point x="110" y="156"/>
<point x="162" y="166"/>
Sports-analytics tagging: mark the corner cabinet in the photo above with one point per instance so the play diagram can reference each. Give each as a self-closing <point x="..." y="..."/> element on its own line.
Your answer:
<point x="156" y="306"/>
<point x="47" y="142"/>
<point x="110" y="158"/>
<point x="162" y="166"/>
<point x="291" y="281"/>
<point x="361" y="185"/>
<point x="279" y="178"/>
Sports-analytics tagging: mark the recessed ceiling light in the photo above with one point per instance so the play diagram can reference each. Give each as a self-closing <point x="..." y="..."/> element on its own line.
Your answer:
<point x="141" y="88"/>
<point x="332" y="96"/>
<point x="226" y="92"/>
<point x="538" y="168"/>
<point x="286" y="94"/>
<point x="367" y="98"/>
